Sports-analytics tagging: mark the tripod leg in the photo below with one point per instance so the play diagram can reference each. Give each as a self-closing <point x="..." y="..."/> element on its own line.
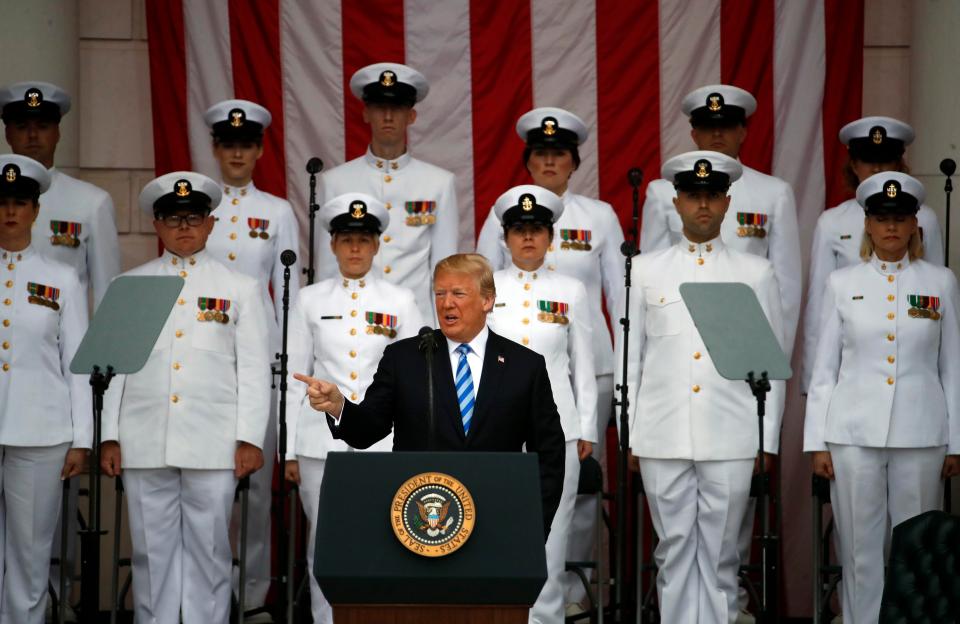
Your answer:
<point x="115" y="565"/>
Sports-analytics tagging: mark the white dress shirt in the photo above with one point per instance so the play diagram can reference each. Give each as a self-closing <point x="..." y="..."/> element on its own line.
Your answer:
<point x="883" y="376"/>
<point x="478" y="347"/>
<point x="836" y="244"/>
<point x="206" y="385"/>
<point x="598" y="264"/>
<point x="680" y="406"/>
<point x="753" y="194"/>
<point x="43" y="403"/>
<point x="424" y="220"/>
<point x="94" y="251"/>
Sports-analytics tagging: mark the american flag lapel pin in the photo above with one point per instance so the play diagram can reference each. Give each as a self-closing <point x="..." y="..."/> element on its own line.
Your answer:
<point x="500" y="359"/>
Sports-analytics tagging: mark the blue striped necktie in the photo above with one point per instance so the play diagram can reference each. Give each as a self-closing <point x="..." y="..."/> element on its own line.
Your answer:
<point x="464" y="382"/>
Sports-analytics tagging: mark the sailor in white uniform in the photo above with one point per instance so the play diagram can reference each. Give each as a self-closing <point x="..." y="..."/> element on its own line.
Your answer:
<point x="45" y="415"/>
<point x="339" y="328"/>
<point x="193" y="420"/>
<point x="421" y="197"/>
<point x="694" y="432"/>
<point x="252" y="229"/>
<point x="883" y="412"/>
<point x="549" y="313"/>
<point x="875" y="144"/>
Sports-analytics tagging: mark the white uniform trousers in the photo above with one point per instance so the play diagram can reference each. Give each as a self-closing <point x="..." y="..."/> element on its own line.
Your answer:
<point x="311" y="475"/>
<point x="745" y="546"/>
<point x="29" y="510"/>
<point x="696" y="509"/>
<point x="583" y="528"/>
<point x="179" y="530"/>
<point x="548" y="609"/>
<point x="874" y="490"/>
<point x="259" y="536"/>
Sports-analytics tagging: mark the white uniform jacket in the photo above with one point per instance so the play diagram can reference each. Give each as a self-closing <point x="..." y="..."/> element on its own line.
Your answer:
<point x="77" y="226"/>
<point x="338" y="331"/>
<point x="44" y="316"/>
<point x="886" y="376"/>
<point x="424" y="220"/>
<point x="755" y="196"/>
<point x="237" y="241"/>
<point x="680" y="407"/>
<point x="548" y="313"/>
<point x="586" y="246"/>
<point x="206" y="385"/>
<point x="836" y="244"/>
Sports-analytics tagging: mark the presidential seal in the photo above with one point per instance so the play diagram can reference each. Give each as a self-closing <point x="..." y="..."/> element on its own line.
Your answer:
<point x="432" y="514"/>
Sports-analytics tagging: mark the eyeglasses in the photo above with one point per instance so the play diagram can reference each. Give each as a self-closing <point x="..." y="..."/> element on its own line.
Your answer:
<point x="174" y="221"/>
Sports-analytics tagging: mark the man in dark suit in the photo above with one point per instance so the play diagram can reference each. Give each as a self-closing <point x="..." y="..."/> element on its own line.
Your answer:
<point x="513" y="407"/>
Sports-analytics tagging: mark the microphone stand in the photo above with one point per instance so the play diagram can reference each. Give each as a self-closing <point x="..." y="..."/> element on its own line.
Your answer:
<point x="314" y="166"/>
<point x="635" y="178"/>
<point x="628" y="249"/>
<point x="948" y="167"/>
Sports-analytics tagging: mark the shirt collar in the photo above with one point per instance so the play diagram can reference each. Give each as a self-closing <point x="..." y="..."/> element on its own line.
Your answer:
<point x="478" y="345"/>
<point x="239" y="191"/>
<point x="699" y="250"/>
<point x="171" y="259"/>
<point x="520" y="275"/>
<point x="16" y="256"/>
<point x="384" y="165"/>
<point x="352" y="285"/>
<point x="889" y="268"/>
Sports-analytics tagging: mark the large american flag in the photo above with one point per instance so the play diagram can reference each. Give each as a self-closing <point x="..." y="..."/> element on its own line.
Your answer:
<point x="623" y="66"/>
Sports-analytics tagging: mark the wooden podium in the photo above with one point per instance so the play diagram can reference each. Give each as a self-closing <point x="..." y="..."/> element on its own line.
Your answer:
<point x="370" y="577"/>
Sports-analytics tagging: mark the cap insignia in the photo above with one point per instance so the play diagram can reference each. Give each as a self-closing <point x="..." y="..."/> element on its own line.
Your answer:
<point x="878" y="134"/>
<point x="33" y="97"/>
<point x="549" y="126"/>
<point x="358" y="209"/>
<point x="526" y="202"/>
<point x="10" y="173"/>
<point x="714" y="102"/>
<point x="183" y="188"/>
<point x="388" y="78"/>
<point x="702" y="168"/>
<point x="237" y="117"/>
<point x="892" y="189"/>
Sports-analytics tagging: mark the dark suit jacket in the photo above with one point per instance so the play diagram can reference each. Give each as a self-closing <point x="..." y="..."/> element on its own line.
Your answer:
<point x="514" y="406"/>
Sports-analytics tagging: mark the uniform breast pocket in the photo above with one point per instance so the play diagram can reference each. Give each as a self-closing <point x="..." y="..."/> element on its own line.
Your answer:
<point x="664" y="312"/>
<point x="215" y="336"/>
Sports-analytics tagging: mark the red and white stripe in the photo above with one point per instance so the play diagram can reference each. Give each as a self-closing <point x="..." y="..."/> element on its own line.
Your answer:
<point x="623" y="67"/>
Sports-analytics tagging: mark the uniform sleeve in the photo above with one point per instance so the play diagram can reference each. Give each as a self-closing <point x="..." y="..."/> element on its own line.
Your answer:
<point x="288" y="237"/>
<point x="654" y="230"/>
<point x="822" y="262"/>
<point x="637" y="308"/>
<point x="490" y="242"/>
<point x="582" y="366"/>
<point x="826" y="371"/>
<point x="73" y="325"/>
<point x="361" y="426"/>
<point x="784" y="253"/>
<point x="299" y="360"/>
<point x="110" y="418"/>
<point x="932" y="237"/>
<point x="611" y="261"/>
<point x="253" y="370"/>
<point x="769" y="293"/>
<point x="444" y="234"/>
<point x="103" y="248"/>
<point x="412" y="321"/>
<point x="950" y="361"/>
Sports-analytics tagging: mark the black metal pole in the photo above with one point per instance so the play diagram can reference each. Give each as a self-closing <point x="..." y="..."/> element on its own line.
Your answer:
<point x="948" y="167"/>
<point x="768" y="557"/>
<point x="90" y="537"/>
<point x="314" y="166"/>
<point x="623" y="447"/>
<point x="283" y="611"/>
<point x="635" y="178"/>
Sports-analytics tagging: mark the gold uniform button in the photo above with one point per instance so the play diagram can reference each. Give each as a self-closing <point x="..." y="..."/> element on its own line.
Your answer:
<point x="353" y="396"/>
<point x="176" y="366"/>
<point x="696" y="355"/>
<point x="9" y="283"/>
<point x="387" y="239"/>
<point x="353" y="354"/>
<point x="178" y="333"/>
<point x="353" y="295"/>
<point x="890" y="337"/>
<point x="696" y="388"/>
<point x="526" y="304"/>
<point x="234" y="219"/>
<point x="233" y="236"/>
<point x="889" y="381"/>
<point x="891" y="359"/>
<point x="353" y="331"/>
<point x="232" y="256"/>
<point x="387" y="179"/>
<point x="526" y="321"/>
<point x="6" y="322"/>
<point x="890" y="278"/>
<point x="234" y="201"/>
<point x="526" y="286"/>
<point x="6" y="345"/>
<point x="6" y="367"/>
<point x="181" y="301"/>
<point x="175" y="399"/>
<point x="387" y="269"/>
<point x="890" y="297"/>
<point x="183" y="273"/>
<point x="389" y="205"/>
<point x="353" y="375"/>
<point x="353" y="312"/>
<point x="11" y="266"/>
<point x="699" y="260"/>
<point x="891" y="316"/>
<point x="7" y="302"/>
<point x="526" y="341"/>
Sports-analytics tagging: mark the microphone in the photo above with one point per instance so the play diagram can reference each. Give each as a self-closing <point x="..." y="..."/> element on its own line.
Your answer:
<point x="635" y="177"/>
<point x="948" y="166"/>
<point x="427" y="340"/>
<point x="314" y="165"/>
<point x="287" y="257"/>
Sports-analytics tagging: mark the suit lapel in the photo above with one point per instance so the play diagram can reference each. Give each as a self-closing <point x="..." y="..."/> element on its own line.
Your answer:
<point x="490" y="379"/>
<point x="444" y="388"/>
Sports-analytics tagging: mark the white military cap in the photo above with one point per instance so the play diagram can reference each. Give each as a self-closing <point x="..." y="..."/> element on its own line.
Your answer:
<point x="718" y="104"/>
<point x="389" y="83"/>
<point x="552" y="127"/>
<point x="33" y="99"/>
<point x="180" y="190"/>
<point x="21" y="176"/>
<point x="702" y="169"/>
<point x="876" y="139"/>
<point x="354" y="212"/>
<point x="528" y="203"/>
<point x="890" y="192"/>
<point x="237" y="120"/>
